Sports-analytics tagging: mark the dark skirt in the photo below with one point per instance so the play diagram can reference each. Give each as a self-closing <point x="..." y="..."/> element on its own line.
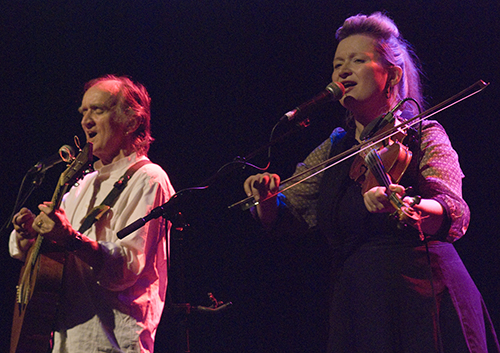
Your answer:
<point x="386" y="300"/>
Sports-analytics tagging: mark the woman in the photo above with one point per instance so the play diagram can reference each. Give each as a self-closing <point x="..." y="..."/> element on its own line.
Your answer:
<point x="391" y="291"/>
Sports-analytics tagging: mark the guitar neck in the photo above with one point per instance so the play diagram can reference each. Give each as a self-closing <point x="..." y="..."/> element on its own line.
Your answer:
<point x="59" y="193"/>
<point x="37" y="293"/>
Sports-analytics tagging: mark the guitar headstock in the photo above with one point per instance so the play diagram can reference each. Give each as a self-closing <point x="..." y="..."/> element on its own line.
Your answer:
<point x="78" y="166"/>
<point x="74" y="172"/>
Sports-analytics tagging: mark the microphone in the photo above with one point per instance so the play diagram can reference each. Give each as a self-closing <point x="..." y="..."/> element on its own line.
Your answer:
<point x="333" y="92"/>
<point x="65" y="154"/>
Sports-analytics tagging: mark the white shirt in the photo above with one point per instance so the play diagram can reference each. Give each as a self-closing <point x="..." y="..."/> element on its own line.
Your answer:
<point x="119" y="308"/>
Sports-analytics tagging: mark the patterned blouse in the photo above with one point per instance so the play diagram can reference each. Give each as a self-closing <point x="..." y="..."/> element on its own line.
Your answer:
<point x="439" y="178"/>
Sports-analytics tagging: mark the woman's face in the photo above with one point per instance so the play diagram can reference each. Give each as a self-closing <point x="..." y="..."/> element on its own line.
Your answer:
<point x="358" y="67"/>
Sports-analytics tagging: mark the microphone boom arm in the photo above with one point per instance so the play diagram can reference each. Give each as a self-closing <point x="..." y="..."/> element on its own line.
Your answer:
<point x="168" y="210"/>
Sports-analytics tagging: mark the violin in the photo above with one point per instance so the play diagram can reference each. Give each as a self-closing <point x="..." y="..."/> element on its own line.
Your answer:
<point x="377" y="165"/>
<point x="384" y="164"/>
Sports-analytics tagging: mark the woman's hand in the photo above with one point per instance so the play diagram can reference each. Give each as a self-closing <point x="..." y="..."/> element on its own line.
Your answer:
<point x="264" y="187"/>
<point x="377" y="198"/>
<point x="431" y="212"/>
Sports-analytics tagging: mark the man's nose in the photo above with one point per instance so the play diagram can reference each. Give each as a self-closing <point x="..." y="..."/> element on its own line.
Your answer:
<point x="87" y="120"/>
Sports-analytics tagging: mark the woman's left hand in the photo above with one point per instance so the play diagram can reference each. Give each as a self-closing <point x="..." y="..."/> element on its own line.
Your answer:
<point x="377" y="201"/>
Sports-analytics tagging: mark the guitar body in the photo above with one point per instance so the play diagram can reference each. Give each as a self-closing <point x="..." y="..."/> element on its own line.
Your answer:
<point x="39" y="286"/>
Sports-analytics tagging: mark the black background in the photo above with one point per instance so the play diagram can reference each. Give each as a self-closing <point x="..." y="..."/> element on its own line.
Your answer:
<point x="220" y="74"/>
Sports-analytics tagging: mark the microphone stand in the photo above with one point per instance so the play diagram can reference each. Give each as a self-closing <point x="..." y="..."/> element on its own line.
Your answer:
<point x="171" y="211"/>
<point x="21" y="199"/>
<point x="170" y="208"/>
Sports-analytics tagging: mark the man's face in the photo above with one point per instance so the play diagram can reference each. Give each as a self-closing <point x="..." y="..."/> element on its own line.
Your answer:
<point x="100" y="121"/>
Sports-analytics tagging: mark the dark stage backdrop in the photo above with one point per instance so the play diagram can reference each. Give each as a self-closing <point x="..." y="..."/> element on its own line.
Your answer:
<point x="220" y="74"/>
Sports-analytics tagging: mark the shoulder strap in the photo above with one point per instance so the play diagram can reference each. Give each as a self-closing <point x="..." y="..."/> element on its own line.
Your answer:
<point x="97" y="212"/>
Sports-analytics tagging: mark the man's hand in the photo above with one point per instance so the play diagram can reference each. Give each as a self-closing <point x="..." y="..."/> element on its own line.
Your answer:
<point x="53" y="224"/>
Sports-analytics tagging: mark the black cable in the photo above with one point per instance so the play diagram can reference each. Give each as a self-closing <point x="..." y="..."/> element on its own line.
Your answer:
<point x="434" y="297"/>
<point x="429" y="262"/>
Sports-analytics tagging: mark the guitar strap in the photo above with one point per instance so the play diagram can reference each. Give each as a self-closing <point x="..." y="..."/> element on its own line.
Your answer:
<point x="97" y="212"/>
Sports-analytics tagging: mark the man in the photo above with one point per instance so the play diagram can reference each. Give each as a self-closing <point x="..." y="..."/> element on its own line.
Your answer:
<point x="113" y="289"/>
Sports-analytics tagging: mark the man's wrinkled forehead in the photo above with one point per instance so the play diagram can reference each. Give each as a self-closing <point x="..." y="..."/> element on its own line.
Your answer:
<point x="98" y="96"/>
<point x="113" y="88"/>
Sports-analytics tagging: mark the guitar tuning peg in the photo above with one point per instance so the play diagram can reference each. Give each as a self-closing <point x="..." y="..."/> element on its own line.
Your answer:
<point x="76" y="139"/>
<point x="67" y="153"/>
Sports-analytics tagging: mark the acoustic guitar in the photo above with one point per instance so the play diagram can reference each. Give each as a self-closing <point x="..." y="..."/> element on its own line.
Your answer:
<point x="38" y="289"/>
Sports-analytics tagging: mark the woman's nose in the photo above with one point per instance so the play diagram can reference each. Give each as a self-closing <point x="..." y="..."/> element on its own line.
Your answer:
<point x="341" y="72"/>
<point x="344" y="72"/>
<point x="344" y="75"/>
